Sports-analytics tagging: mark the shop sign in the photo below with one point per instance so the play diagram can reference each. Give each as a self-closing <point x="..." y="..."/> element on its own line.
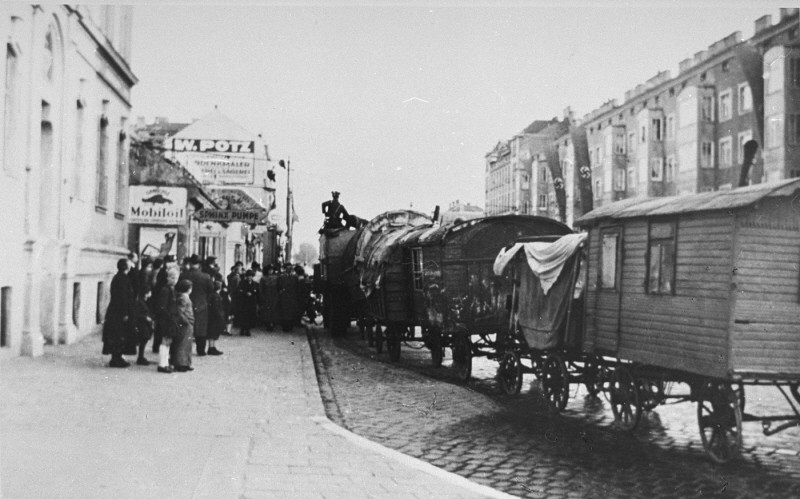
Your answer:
<point x="156" y="205"/>
<point x="245" y="216"/>
<point x="215" y="169"/>
<point x="207" y="145"/>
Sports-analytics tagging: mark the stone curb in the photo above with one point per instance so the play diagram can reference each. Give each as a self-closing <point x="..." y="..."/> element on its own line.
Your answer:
<point x="397" y="456"/>
<point x="409" y="461"/>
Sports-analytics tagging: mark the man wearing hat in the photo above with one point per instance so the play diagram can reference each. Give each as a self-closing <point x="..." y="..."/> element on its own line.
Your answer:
<point x="202" y="287"/>
<point x="335" y="214"/>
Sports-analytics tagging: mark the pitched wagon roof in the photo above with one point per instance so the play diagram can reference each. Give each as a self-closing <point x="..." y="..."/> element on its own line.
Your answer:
<point x="706" y="201"/>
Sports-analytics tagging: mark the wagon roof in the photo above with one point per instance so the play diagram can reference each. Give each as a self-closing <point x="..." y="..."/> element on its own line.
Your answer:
<point x="429" y="236"/>
<point x="706" y="201"/>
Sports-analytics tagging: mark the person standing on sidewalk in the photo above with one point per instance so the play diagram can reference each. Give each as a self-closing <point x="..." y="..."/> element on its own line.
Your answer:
<point x="161" y="279"/>
<point x="270" y="313"/>
<point x="120" y="314"/>
<point x="216" y="319"/>
<point x="288" y="285"/>
<point x="182" y="344"/>
<point x="202" y="287"/>
<point x="167" y="319"/>
<point x="248" y="303"/>
<point x="234" y="279"/>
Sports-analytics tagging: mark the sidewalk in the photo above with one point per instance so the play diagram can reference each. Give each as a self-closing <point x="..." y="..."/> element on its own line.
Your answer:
<point x="248" y="424"/>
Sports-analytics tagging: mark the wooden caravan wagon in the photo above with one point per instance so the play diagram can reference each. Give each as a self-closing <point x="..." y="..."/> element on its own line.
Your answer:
<point x="457" y="299"/>
<point x="702" y="289"/>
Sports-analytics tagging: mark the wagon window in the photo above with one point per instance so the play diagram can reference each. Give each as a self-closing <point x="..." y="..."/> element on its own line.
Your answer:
<point x="661" y="255"/>
<point x="416" y="263"/>
<point x="609" y="259"/>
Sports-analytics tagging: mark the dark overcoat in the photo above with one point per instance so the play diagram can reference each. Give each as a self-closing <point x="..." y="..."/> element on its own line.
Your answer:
<point x="120" y="315"/>
<point x="270" y="308"/>
<point x="247" y="297"/>
<point x="202" y="287"/>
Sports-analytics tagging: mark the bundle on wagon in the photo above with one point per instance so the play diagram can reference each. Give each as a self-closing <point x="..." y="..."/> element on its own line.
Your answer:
<point x="701" y="290"/>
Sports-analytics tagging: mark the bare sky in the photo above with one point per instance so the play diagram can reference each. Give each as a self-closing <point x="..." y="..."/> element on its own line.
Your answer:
<point x="397" y="105"/>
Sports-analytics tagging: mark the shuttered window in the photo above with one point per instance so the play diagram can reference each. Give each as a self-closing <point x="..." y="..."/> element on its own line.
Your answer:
<point x="661" y="258"/>
<point x="609" y="258"/>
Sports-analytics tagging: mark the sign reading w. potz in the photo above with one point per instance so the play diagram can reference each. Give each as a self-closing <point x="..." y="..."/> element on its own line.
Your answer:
<point x="217" y="161"/>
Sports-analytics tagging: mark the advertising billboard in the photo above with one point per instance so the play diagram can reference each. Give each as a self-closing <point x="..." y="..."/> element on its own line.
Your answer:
<point x="154" y="205"/>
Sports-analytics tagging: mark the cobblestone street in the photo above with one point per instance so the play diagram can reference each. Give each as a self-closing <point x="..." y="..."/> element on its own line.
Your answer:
<point x="513" y="444"/>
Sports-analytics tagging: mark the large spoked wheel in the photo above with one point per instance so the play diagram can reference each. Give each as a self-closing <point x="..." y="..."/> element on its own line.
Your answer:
<point x="719" y="416"/>
<point x="555" y="382"/>
<point x="510" y="373"/>
<point x="393" y="341"/>
<point x="435" y="345"/>
<point x="462" y="357"/>
<point x="378" y="339"/>
<point x="625" y="399"/>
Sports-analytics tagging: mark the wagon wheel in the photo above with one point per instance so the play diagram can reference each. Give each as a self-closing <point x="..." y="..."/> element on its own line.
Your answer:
<point x="435" y="345"/>
<point x="719" y="416"/>
<point x="625" y="399"/>
<point x="510" y="373"/>
<point x="394" y="338"/>
<point x="555" y="382"/>
<point x="378" y="339"/>
<point x="462" y="356"/>
<point x="595" y="375"/>
<point x="652" y="392"/>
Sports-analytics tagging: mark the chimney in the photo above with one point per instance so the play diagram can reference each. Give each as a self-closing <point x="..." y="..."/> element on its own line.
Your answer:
<point x="788" y="13"/>
<point x="684" y="65"/>
<point x="763" y="23"/>
<point x="732" y="39"/>
<point x="160" y="120"/>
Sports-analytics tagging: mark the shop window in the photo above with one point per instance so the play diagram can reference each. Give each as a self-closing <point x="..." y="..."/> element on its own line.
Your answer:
<point x="416" y="266"/>
<point x="661" y="258"/>
<point x="609" y="258"/>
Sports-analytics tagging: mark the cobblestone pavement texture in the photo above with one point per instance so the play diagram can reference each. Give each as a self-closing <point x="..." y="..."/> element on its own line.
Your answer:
<point x="248" y="424"/>
<point x="512" y="443"/>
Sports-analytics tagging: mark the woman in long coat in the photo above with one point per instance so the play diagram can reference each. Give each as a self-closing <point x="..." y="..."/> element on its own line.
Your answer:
<point x="247" y="297"/>
<point x="120" y="317"/>
<point x="181" y="348"/>
<point x="167" y="318"/>
<point x="217" y="320"/>
<point x="288" y="289"/>
<point x="270" y="310"/>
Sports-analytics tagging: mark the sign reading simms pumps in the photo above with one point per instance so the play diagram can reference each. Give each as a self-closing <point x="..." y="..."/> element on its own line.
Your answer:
<point x="157" y="205"/>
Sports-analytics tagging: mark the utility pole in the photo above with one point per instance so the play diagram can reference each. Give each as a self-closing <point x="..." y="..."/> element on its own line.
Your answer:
<point x="289" y="214"/>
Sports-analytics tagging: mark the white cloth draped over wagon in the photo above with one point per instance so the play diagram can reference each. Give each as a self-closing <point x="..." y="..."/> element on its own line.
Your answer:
<point x="545" y="290"/>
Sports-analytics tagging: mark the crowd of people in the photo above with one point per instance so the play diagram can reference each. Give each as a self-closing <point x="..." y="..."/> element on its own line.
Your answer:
<point x="192" y="305"/>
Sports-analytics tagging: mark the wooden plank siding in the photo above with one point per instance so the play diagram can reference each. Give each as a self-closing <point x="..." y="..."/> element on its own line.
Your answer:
<point x="765" y="341"/>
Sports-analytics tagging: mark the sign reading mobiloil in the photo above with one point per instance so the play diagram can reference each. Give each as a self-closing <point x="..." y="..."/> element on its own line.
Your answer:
<point x="157" y="205"/>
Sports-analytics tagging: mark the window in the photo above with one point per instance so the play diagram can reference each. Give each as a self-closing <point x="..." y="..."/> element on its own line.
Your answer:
<point x="542" y="204"/>
<point x="725" y="152"/>
<point x="597" y="155"/>
<point x="775" y="132"/>
<point x="76" y="304"/>
<point x="619" y="141"/>
<point x="669" y="173"/>
<point x="598" y="193"/>
<point x="725" y="105"/>
<point x="77" y="173"/>
<point x="706" y="154"/>
<point x="794" y="72"/>
<point x="794" y="129"/>
<point x="5" y="315"/>
<point x="745" y="98"/>
<point x="122" y="171"/>
<point x="661" y="258"/>
<point x="726" y="66"/>
<point x="744" y="137"/>
<point x="631" y="141"/>
<point x="707" y="108"/>
<point x="609" y="257"/>
<point x="101" y="198"/>
<point x="671" y="126"/>
<point x="656" y="126"/>
<point x="619" y="180"/>
<point x="416" y="268"/>
<point x="631" y="180"/>
<point x="657" y="169"/>
<point x="643" y="134"/>
<point x="11" y="103"/>
<point x="542" y="174"/>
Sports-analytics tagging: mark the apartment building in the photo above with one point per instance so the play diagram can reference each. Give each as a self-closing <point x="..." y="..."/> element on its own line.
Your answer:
<point x="688" y="133"/>
<point x="65" y="107"/>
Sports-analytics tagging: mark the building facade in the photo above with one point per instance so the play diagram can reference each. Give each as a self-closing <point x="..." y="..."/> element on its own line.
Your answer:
<point x="63" y="168"/>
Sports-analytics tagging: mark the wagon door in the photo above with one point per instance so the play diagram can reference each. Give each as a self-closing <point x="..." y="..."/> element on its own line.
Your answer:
<point x="604" y="317"/>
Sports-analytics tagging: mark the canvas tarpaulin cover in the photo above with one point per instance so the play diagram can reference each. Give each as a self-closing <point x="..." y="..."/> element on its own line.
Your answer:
<point x="545" y="286"/>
